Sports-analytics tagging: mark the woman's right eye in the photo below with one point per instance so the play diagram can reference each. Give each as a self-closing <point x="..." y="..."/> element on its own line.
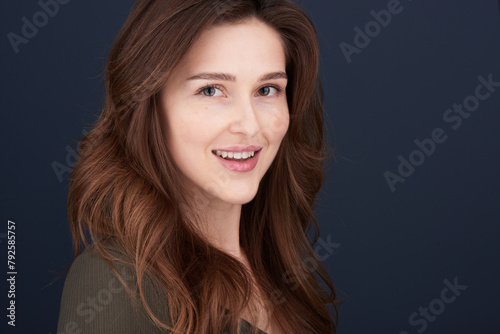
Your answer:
<point x="211" y="91"/>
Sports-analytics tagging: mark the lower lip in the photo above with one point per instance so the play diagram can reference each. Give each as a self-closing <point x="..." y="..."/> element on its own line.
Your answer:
<point x="237" y="166"/>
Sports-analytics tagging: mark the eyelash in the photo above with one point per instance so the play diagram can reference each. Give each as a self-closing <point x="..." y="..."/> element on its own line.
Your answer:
<point x="200" y="91"/>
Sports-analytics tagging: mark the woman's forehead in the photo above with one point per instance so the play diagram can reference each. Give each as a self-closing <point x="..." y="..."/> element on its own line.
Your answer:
<point x="250" y="47"/>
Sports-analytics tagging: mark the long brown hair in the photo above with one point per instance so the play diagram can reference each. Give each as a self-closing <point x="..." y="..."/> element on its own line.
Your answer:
<point x="126" y="186"/>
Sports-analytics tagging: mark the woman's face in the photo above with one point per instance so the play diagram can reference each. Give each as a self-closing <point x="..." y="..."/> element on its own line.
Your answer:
<point x="226" y="110"/>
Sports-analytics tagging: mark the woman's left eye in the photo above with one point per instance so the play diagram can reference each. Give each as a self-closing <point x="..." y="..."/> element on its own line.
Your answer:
<point x="268" y="91"/>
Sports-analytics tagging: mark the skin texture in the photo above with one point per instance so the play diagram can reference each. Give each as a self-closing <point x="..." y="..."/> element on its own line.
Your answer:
<point x="240" y="109"/>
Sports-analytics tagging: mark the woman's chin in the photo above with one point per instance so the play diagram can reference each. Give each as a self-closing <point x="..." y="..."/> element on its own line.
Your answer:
<point x="240" y="198"/>
<point x="237" y="194"/>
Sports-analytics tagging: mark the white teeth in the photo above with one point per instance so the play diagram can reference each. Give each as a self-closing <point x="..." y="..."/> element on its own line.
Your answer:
<point x="235" y="155"/>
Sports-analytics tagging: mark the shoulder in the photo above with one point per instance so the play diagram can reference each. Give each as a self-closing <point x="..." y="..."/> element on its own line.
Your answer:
<point x="89" y="269"/>
<point x="95" y="301"/>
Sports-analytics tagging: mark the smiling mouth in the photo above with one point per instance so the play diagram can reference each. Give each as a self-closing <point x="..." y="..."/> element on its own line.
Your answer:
<point x="235" y="156"/>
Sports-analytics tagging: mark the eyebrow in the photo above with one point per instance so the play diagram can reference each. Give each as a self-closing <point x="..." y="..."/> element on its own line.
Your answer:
<point x="230" y="77"/>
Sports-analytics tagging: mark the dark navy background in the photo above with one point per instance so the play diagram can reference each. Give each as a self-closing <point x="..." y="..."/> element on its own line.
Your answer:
<point x="389" y="252"/>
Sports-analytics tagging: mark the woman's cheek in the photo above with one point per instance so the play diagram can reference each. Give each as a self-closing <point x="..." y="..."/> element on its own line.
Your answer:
<point x="277" y="123"/>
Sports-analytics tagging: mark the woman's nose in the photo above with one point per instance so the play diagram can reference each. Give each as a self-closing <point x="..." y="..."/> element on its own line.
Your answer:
<point x="244" y="118"/>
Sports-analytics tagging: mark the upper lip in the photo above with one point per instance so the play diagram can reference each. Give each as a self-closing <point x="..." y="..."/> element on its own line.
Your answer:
<point x="251" y="148"/>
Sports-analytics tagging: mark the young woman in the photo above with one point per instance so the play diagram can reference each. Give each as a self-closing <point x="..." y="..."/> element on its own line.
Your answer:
<point x="193" y="193"/>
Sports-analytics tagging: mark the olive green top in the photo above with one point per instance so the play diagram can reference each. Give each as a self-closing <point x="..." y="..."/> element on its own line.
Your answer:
<point x="94" y="301"/>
